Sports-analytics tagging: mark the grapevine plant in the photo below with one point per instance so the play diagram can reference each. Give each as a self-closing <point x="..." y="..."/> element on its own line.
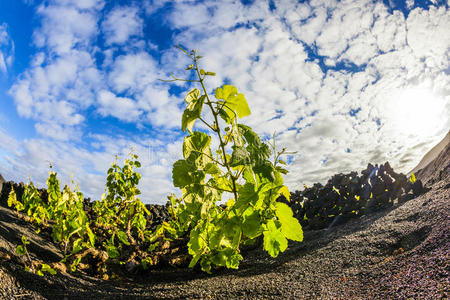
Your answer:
<point x="120" y="215"/>
<point x="115" y="230"/>
<point x="62" y="212"/>
<point x="240" y="169"/>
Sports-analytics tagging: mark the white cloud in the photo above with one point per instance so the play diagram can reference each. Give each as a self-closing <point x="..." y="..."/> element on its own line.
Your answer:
<point x="2" y="63"/>
<point x="63" y="78"/>
<point x="337" y="119"/>
<point x="409" y="4"/>
<point x="389" y="29"/>
<point x="287" y="90"/>
<point x="427" y="34"/>
<point x="82" y="4"/>
<point x="65" y="27"/>
<point x="121" y="24"/>
<point x="188" y="15"/>
<point x="56" y="91"/>
<point x="124" y="109"/>
<point x="6" y="49"/>
<point x="56" y="131"/>
<point x="133" y="72"/>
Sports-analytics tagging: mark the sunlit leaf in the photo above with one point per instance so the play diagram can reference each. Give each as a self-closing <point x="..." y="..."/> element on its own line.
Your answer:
<point x="122" y="236"/>
<point x="239" y="157"/>
<point x="181" y="173"/>
<point x="251" y="227"/>
<point x="274" y="240"/>
<point x="290" y="227"/>
<point x="285" y="192"/>
<point x="192" y="95"/>
<point x="232" y="102"/>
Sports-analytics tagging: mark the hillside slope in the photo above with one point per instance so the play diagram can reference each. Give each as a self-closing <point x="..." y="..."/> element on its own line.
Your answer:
<point x="396" y="253"/>
<point x="432" y="154"/>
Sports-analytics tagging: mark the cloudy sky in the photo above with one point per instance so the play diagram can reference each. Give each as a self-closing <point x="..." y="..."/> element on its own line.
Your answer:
<point x="343" y="83"/>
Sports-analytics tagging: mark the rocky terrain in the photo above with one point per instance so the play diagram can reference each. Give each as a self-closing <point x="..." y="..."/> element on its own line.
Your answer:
<point x="393" y="245"/>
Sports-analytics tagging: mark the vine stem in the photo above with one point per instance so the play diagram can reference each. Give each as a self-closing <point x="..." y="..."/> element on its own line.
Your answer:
<point x="217" y="129"/>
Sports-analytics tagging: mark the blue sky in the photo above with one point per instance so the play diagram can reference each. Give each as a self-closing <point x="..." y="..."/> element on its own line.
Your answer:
<point x="343" y="83"/>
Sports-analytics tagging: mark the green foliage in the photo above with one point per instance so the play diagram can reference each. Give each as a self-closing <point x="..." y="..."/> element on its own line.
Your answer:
<point x="412" y="178"/>
<point x="71" y="228"/>
<point x="45" y="269"/>
<point x="120" y="216"/>
<point x="12" y="200"/>
<point x="64" y="211"/>
<point x="240" y="169"/>
<point x="117" y="222"/>
<point x="243" y="170"/>
<point x="30" y="265"/>
<point x="22" y="249"/>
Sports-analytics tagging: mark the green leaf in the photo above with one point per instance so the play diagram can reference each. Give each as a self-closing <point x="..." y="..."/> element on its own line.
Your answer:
<point x="290" y="227"/>
<point x="226" y="116"/>
<point x="251" y="227"/>
<point x="281" y="170"/>
<point x="192" y="95"/>
<point x="233" y="260"/>
<point x="123" y="237"/>
<point x="211" y="168"/>
<point x="20" y="250"/>
<point x="91" y="236"/>
<point x="220" y="258"/>
<point x="239" y="157"/>
<point x="264" y="170"/>
<point x="285" y="192"/>
<point x="225" y="92"/>
<point x="141" y="222"/>
<point x="232" y="233"/>
<point x="146" y="262"/>
<point x="194" y="260"/>
<point x="274" y="240"/>
<point x="233" y="101"/>
<point x="197" y="144"/>
<point x="12" y="199"/>
<point x="48" y="269"/>
<point x="227" y="257"/>
<point x="248" y="175"/>
<point x="182" y="173"/>
<point x="249" y="135"/>
<point x="77" y="245"/>
<point x="205" y="265"/>
<point x="192" y="113"/>
<point x="25" y="240"/>
<point x="246" y="196"/>
<point x="196" y="242"/>
<point x="112" y="251"/>
<point x="412" y="178"/>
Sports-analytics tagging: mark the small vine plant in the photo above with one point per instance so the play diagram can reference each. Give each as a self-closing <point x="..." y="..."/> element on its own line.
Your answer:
<point x="243" y="169"/>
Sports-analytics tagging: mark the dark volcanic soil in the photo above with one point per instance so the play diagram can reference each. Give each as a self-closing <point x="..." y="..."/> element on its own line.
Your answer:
<point x="398" y="253"/>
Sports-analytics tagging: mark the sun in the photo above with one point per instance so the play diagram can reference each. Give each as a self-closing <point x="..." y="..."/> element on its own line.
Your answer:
<point x="416" y="111"/>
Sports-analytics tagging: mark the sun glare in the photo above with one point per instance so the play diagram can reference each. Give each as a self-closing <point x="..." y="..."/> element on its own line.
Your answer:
<point x="416" y="111"/>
